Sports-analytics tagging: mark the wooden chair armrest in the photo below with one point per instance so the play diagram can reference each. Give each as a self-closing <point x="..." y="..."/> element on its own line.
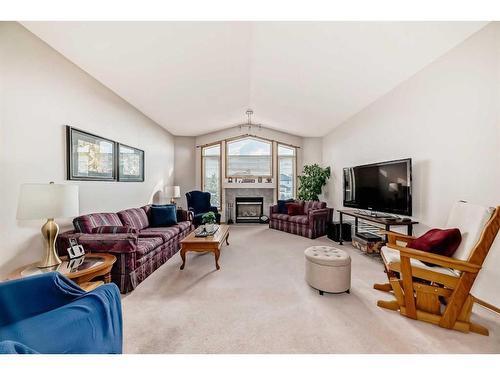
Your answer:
<point x="394" y="236"/>
<point x="439" y="260"/>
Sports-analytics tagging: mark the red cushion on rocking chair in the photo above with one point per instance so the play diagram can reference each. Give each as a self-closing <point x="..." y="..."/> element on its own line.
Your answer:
<point x="438" y="241"/>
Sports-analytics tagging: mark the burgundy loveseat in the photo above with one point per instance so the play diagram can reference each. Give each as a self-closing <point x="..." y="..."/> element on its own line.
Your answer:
<point x="139" y="248"/>
<point x="312" y="223"/>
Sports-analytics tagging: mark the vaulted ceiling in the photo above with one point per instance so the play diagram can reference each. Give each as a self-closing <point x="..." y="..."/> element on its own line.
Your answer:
<point x="303" y="78"/>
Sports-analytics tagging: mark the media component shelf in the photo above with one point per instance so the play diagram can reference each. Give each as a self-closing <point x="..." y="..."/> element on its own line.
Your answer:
<point x="386" y="221"/>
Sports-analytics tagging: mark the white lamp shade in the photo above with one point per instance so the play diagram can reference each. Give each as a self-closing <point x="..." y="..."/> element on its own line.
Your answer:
<point x="173" y="191"/>
<point x="44" y="201"/>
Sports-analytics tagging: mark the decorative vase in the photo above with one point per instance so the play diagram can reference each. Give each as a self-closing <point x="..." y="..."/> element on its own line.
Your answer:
<point x="209" y="227"/>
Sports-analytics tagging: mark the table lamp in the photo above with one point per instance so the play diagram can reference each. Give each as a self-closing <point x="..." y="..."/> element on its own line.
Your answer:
<point x="48" y="201"/>
<point x="174" y="192"/>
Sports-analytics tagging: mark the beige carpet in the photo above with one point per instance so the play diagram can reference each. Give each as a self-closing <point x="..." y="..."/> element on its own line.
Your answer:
<point x="259" y="303"/>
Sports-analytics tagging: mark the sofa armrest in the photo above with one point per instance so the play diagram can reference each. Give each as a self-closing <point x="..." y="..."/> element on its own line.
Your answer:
<point x="109" y="243"/>
<point x="214" y="209"/>
<point x="273" y="209"/>
<point x="318" y="213"/>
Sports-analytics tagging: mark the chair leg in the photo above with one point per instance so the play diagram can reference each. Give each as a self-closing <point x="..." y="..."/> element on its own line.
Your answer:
<point x="387" y="287"/>
<point x="477" y="328"/>
<point x="390" y="305"/>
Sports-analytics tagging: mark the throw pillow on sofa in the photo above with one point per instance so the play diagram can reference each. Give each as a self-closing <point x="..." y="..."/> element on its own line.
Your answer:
<point x="438" y="241"/>
<point x="295" y="209"/>
<point x="113" y="229"/>
<point x="163" y="215"/>
<point x="282" y="205"/>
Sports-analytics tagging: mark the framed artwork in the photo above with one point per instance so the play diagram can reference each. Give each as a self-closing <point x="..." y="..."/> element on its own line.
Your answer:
<point x="90" y="157"/>
<point x="130" y="164"/>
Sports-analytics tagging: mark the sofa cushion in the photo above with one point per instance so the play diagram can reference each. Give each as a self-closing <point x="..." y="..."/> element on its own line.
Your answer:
<point x="392" y="257"/>
<point x="313" y="205"/>
<point x="166" y="233"/>
<point x="300" y="219"/>
<point x="283" y="217"/>
<point x="295" y="209"/>
<point x="438" y="241"/>
<point x="471" y="220"/>
<point x="85" y="223"/>
<point x="134" y="218"/>
<point x="163" y="216"/>
<point x="147" y="244"/>
<point x="113" y="229"/>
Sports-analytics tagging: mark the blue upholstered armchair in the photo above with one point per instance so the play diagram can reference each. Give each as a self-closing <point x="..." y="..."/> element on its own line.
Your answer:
<point x="199" y="203"/>
<point x="50" y="314"/>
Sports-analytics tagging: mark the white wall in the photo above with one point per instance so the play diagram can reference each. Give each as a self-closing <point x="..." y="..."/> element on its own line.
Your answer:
<point x="312" y="150"/>
<point x="446" y="118"/>
<point x="41" y="92"/>
<point x="185" y="166"/>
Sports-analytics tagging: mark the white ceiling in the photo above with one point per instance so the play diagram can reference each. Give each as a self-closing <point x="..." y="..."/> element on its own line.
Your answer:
<point x="303" y="78"/>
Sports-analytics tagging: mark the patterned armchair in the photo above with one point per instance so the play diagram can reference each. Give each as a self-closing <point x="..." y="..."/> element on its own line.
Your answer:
<point x="311" y="224"/>
<point x="199" y="204"/>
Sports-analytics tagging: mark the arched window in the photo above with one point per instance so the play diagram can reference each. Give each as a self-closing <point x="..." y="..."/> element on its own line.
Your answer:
<point x="249" y="157"/>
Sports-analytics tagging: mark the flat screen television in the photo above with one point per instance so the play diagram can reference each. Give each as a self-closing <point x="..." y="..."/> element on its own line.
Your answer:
<point x="382" y="187"/>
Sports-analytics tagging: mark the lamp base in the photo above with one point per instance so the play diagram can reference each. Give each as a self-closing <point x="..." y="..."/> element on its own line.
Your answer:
<point x="50" y="230"/>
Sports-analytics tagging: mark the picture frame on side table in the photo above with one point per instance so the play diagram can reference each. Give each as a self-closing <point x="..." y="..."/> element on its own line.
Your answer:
<point x="89" y="156"/>
<point x="130" y="164"/>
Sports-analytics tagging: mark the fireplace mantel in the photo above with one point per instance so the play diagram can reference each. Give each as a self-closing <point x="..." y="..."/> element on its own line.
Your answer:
<point x="249" y="185"/>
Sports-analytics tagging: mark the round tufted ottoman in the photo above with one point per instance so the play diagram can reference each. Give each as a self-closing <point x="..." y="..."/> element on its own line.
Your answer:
<point x="328" y="269"/>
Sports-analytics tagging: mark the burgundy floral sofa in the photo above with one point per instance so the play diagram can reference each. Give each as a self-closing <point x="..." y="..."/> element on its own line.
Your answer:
<point x="139" y="248"/>
<point x="312" y="222"/>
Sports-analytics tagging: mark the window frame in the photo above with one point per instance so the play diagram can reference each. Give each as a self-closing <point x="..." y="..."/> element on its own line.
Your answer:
<point x="229" y="140"/>
<point x="202" y="182"/>
<point x="295" y="177"/>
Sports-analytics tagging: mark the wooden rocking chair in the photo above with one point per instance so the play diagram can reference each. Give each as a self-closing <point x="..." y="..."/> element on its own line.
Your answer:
<point x="440" y="293"/>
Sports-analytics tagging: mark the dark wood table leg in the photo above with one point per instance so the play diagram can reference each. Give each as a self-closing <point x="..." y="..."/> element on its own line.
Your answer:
<point x="217" y="254"/>
<point x="340" y="230"/>
<point x="388" y="229"/>
<point x="409" y="230"/>
<point x="227" y="239"/>
<point x="183" y="256"/>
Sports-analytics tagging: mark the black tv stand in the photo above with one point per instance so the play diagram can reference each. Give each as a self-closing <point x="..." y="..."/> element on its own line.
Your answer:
<point x="387" y="222"/>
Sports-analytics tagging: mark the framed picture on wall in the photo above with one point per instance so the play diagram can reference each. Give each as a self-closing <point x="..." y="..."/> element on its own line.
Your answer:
<point x="89" y="157"/>
<point x="130" y="164"/>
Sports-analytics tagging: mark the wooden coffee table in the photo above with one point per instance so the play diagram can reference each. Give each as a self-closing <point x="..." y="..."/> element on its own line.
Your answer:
<point x="94" y="271"/>
<point x="205" y="244"/>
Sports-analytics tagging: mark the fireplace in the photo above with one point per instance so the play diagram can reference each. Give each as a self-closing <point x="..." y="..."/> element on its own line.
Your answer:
<point x="249" y="209"/>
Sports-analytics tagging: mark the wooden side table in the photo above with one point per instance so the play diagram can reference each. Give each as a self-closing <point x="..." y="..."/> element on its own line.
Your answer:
<point x="89" y="273"/>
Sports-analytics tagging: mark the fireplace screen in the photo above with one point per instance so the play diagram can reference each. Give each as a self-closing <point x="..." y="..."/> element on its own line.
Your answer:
<point x="249" y="209"/>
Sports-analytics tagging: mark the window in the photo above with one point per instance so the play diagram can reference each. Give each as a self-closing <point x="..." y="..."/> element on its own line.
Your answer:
<point x="286" y="172"/>
<point x="210" y="171"/>
<point x="249" y="156"/>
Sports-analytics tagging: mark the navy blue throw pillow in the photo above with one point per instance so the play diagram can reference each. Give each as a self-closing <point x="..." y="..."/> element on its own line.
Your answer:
<point x="282" y="209"/>
<point x="163" y="215"/>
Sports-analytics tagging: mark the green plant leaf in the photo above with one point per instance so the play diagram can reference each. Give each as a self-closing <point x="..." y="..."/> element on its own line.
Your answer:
<point x="311" y="181"/>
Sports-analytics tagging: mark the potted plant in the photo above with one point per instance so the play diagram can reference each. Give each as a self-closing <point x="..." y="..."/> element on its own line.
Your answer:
<point x="312" y="181"/>
<point x="209" y="220"/>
